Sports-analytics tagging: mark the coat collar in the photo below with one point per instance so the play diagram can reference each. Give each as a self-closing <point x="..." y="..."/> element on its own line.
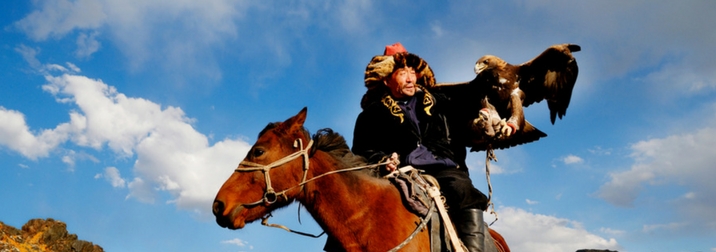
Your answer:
<point x="427" y="101"/>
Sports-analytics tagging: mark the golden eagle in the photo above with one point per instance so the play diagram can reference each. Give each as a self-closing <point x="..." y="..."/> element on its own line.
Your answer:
<point x="504" y="89"/>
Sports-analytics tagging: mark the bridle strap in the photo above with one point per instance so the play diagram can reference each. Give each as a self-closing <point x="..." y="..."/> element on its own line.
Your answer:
<point x="270" y="195"/>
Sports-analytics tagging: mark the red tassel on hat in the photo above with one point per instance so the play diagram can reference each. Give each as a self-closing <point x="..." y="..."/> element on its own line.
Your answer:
<point x="393" y="49"/>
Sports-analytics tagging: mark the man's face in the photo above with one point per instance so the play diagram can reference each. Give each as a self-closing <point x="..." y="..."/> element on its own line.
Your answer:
<point x="402" y="82"/>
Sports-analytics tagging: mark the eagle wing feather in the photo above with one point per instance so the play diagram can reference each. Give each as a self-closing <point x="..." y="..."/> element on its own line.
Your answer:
<point x="550" y="76"/>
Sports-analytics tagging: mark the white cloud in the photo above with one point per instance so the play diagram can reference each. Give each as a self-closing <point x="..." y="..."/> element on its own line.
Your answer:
<point x="73" y="67"/>
<point x="572" y="159"/>
<point x="29" y="55"/>
<point x="108" y="116"/>
<point x="69" y="161"/>
<point x="531" y="202"/>
<point x="612" y="232"/>
<point x="171" y="155"/>
<point x="599" y="151"/>
<point x="238" y="242"/>
<point x="662" y="162"/>
<point x="661" y="159"/>
<point x="525" y="231"/>
<point x="170" y="33"/>
<point x="55" y="67"/>
<point x="58" y="17"/>
<point x="669" y="226"/>
<point x="87" y="45"/>
<point x="71" y="157"/>
<point x="16" y="135"/>
<point x="111" y="174"/>
<point x="180" y="161"/>
<point x="140" y="190"/>
<point x="476" y="163"/>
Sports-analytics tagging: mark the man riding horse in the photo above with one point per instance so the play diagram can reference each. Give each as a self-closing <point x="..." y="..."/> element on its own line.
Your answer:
<point x="402" y="122"/>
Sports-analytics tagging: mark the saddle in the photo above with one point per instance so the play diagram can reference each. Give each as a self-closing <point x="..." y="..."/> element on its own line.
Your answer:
<point x="421" y="195"/>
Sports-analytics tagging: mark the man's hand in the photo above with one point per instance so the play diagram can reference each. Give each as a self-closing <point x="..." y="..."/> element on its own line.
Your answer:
<point x="393" y="162"/>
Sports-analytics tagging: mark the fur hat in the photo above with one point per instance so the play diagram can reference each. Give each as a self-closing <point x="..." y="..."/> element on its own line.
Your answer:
<point x="395" y="56"/>
<point x="381" y="66"/>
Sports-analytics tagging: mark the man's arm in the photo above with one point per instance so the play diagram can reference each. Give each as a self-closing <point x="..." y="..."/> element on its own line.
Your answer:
<point x="367" y="138"/>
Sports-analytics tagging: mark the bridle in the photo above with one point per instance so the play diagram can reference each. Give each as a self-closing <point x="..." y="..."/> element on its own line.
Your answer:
<point x="270" y="195"/>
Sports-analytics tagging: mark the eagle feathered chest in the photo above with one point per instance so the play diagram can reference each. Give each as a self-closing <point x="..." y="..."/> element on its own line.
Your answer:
<point x="500" y="85"/>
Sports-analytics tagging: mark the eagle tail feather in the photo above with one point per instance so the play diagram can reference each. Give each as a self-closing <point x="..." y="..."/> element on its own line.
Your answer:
<point x="527" y="135"/>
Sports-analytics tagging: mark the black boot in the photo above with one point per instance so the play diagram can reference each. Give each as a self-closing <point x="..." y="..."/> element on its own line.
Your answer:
<point x="471" y="229"/>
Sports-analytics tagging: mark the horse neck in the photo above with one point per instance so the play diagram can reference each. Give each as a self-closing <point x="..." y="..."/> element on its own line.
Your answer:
<point x="355" y="208"/>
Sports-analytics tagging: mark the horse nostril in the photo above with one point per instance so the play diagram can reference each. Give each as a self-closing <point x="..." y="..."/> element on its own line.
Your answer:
<point x="218" y="207"/>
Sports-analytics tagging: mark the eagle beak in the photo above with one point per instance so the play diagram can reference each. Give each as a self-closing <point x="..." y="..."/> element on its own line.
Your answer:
<point x="479" y="67"/>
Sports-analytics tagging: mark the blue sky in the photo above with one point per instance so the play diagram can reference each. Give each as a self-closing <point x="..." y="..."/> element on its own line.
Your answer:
<point x="123" y="118"/>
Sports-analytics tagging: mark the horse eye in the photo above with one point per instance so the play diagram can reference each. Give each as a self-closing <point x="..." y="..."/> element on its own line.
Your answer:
<point x="257" y="152"/>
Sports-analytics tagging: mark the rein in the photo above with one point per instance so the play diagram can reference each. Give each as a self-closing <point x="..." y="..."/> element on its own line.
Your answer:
<point x="423" y="223"/>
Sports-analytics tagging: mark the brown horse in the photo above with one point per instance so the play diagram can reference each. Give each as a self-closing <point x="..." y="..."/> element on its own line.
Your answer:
<point x="361" y="211"/>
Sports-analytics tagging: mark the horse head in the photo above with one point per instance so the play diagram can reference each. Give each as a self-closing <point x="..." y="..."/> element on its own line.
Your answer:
<point x="269" y="177"/>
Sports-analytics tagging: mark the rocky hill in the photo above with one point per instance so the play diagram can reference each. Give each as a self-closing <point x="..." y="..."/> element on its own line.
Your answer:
<point x="42" y="235"/>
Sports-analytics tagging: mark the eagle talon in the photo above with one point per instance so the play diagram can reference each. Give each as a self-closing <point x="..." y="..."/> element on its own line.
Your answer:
<point x="511" y="128"/>
<point x="505" y="129"/>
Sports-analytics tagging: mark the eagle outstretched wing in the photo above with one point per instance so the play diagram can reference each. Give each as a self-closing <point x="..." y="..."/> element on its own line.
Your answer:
<point x="550" y="76"/>
<point x="507" y="89"/>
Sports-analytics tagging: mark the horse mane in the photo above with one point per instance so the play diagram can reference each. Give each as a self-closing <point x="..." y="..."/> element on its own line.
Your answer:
<point x="328" y="141"/>
<point x="335" y="145"/>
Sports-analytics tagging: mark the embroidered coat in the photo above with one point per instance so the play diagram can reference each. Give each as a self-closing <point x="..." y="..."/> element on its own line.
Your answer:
<point x="383" y="128"/>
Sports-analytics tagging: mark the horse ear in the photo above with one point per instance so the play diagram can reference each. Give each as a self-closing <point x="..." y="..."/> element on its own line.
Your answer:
<point x="298" y="119"/>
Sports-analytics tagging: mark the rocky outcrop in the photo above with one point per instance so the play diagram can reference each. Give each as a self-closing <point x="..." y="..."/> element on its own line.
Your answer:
<point x="42" y="235"/>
